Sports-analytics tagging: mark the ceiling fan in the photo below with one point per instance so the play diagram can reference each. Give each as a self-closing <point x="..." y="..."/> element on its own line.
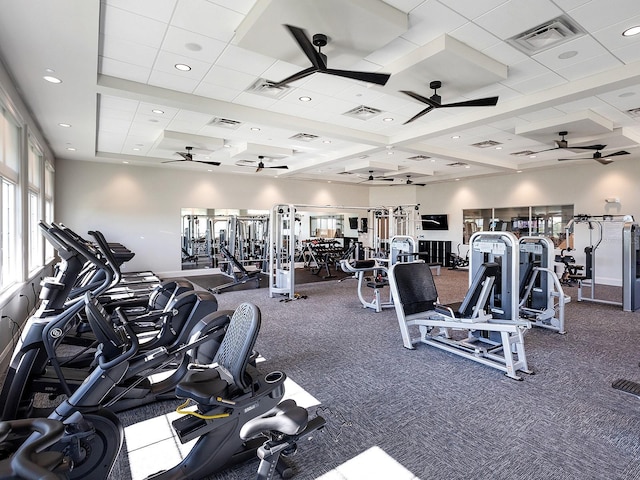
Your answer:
<point x="261" y="164"/>
<point x="598" y="157"/>
<point x="410" y="182"/>
<point x="188" y="157"/>
<point x="435" y="101"/>
<point x="564" y="144"/>
<point x="319" y="61"/>
<point x="371" y="178"/>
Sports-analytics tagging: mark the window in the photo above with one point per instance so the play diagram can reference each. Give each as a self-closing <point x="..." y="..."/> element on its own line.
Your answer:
<point x="35" y="165"/>
<point x="9" y="168"/>
<point x="49" y="252"/>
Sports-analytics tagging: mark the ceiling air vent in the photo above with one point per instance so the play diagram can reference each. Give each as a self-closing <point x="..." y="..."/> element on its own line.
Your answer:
<point x="225" y="123"/>
<point x="265" y="87"/>
<point x="634" y="112"/>
<point x="457" y="164"/>
<point x="418" y="158"/>
<point x="548" y="35"/>
<point x="363" y="112"/>
<point x="523" y="153"/>
<point x="486" y="144"/>
<point x="304" y="137"/>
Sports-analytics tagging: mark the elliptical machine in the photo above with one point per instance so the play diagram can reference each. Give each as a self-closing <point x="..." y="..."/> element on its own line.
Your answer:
<point x="37" y="368"/>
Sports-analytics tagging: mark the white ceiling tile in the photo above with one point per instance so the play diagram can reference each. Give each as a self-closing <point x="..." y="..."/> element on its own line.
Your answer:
<point x="541" y="114"/>
<point x="611" y="38"/>
<point x="192" y="45"/>
<point x="128" y="52"/>
<point x="598" y="14"/>
<point x="131" y="27"/>
<point x="585" y="46"/>
<point x="524" y="70"/>
<point x="240" y="6"/>
<point x="231" y="79"/>
<point x="116" y="68"/>
<point x="474" y="36"/>
<point x="173" y="82"/>
<point x="567" y="5"/>
<point x="110" y="141"/>
<point x="145" y="108"/>
<point x="517" y="16"/>
<point x="160" y="10"/>
<point x="360" y="94"/>
<point x="539" y="83"/>
<point x="116" y="114"/>
<point x="196" y="119"/>
<point x="505" y="53"/>
<point x="628" y="54"/>
<point x="206" y="19"/>
<point x="589" y="103"/>
<point x="472" y="8"/>
<point x="166" y="62"/>
<point x="113" y="125"/>
<point x="589" y="67"/>
<point x="624" y="98"/>
<point x="242" y="60"/>
<point x="217" y="92"/>
<point x="325" y="84"/>
<point x="430" y="20"/>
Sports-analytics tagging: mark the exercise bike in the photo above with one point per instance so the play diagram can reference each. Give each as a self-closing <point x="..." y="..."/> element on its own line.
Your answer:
<point x="236" y="405"/>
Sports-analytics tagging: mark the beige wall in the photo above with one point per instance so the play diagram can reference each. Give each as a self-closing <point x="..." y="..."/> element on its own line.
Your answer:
<point x="140" y="206"/>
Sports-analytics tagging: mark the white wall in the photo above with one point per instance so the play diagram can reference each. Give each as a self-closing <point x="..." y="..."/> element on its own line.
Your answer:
<point x="584" y="185"/>
<point x="140" y="206"/>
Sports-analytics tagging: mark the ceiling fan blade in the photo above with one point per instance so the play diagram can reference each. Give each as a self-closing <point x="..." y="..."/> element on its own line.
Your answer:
<point x="420" y="114"/>
<point x="307" y="47"/>
<point x="577" y="158"/>
<point x="171" y="161"/>
<point x="259" y="169"/>
<point x="296" y="76"/>
<point x="421" y="99"/>
<point x="479" y="102"/>
<point x="369" y="77"/>
<point x="186" y="156"/>
<point x="603" y="161"/>
<point x="587" y="147"/>
<point x="215" y="164"/>
<point x="284" y="167"/>
<point x="621" y="152"/>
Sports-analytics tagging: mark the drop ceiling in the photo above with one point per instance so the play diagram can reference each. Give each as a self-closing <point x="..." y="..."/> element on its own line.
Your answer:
<point x="126" y="101"/>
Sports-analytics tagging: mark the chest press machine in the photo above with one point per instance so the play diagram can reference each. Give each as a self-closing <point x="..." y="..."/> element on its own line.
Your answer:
<point x="488" y="313"/>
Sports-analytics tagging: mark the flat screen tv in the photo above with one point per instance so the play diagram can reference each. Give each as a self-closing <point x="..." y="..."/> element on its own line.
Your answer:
<point x="353" y="223"/>
<point x="435" y="222"/>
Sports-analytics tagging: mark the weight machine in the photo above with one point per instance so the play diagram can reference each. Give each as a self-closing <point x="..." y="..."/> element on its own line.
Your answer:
<point x="621" y="228"/>
<point x="542" y="298"/>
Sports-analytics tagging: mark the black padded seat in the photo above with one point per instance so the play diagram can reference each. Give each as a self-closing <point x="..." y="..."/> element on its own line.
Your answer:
<point x="363" y="264"/>
<point x="229" y="379"/>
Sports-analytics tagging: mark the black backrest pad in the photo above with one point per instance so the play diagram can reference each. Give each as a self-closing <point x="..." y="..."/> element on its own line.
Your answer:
<point x="488" y="269"/>
<point x="234" y="261"/>
<point x="416" y="287"/>
<point x="237" y="346"/>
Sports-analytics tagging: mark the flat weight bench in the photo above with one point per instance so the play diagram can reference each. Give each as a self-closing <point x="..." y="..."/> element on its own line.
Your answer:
<point x="237" y="271"/>
<point x="361" y="267"/>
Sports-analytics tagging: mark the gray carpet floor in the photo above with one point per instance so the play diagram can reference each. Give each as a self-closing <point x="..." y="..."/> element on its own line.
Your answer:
<point x="442" y="416"/>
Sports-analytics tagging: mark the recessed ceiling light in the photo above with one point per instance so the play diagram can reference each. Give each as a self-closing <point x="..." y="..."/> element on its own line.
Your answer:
<point x="568" y="54"/>
<point x="136" y="149"/>
<point x="182" y="67"/>
<point x="125" y="162"/>
<point x="433" y="160"/>
<point x="255" y="129"/>
<point x="328" y="181"/>
<point x="532" y="156"/>
<point x="209" y="170"/>
<point x="304" y="99"/>
<point x="326" y="141"/>
<point x="467" y="166"/>
<point x="52" y="79"/>
<point x="457" y="179"/>
<point x="387" y="119"/>
<point x="629" y="32"/>
<point x="498" y="148"/>
<point x="194" y="47"/>
<point x="518" y="171"/>
<point x="65" y="125"/>
<point x="158" y="111"/>
<point x="390" y="152"/>
<point x="455" y="137"/>
<point x="226" y="145"/>
<point x="49" y="70"/>
<point x="71" y="149"/>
